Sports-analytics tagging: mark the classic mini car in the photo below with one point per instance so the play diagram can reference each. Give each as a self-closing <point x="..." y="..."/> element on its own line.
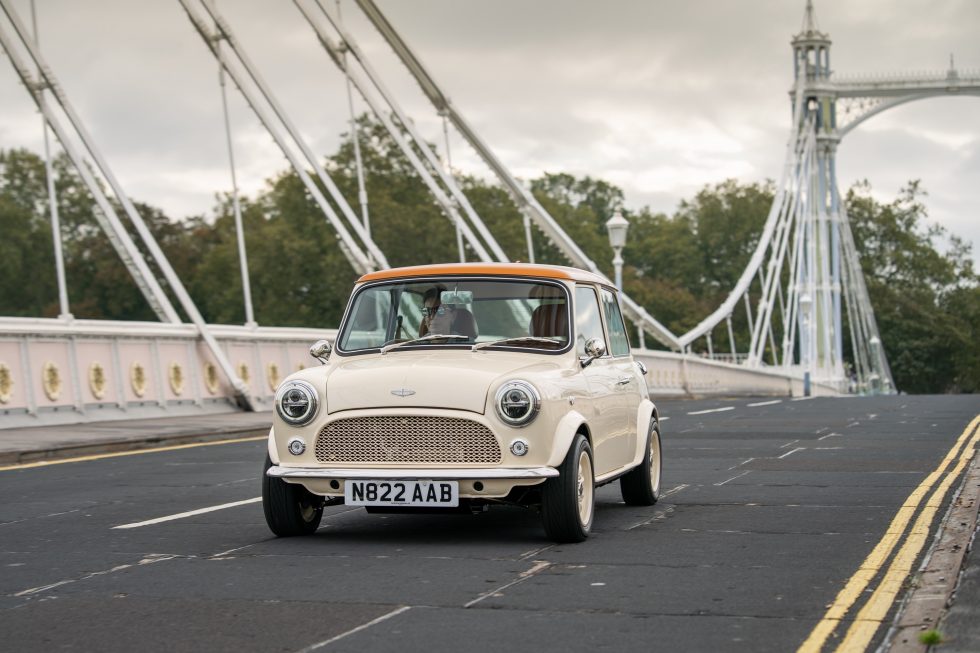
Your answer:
<point x="462" y="386"/>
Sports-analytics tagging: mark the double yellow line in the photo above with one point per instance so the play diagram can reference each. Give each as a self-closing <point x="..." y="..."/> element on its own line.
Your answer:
<point x="870" y="617"/>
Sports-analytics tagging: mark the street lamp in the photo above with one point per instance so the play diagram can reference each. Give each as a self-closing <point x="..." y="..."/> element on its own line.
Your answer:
<point x="806" y="306"/>
<point x="875" y="377"/>
<point x="617" y="227"/>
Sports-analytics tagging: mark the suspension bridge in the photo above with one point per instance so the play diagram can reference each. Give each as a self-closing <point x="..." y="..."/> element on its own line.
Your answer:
<point x="802" y="292"/>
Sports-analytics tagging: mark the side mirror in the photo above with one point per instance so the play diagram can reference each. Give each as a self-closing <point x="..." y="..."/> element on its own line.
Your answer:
<point x="594" y="348"/>
<point x="641" y="367"/>
<point x="321" y="350"/>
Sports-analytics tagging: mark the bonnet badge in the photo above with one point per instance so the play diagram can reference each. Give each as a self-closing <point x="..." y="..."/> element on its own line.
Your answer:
<point x="403" y="392"/>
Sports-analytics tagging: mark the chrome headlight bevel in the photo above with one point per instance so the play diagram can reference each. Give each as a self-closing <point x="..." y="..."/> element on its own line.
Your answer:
<point x="517" y="403"/>
<point x="297" y="402"/>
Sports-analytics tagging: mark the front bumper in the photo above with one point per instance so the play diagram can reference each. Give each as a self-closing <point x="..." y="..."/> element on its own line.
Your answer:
<point x="412" y="474"/>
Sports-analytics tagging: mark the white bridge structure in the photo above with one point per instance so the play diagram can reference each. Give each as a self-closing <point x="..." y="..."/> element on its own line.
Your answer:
<point x="801" y="281"/>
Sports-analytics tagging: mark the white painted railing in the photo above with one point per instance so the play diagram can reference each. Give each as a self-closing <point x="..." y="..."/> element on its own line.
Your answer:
<point x="58" y="372"/>
<point x="675" y="375"/>
<point x="53" y="371"/>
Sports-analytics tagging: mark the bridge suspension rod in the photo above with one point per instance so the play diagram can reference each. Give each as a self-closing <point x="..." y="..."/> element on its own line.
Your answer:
<point x="524" y="200"/>
<point x="338" y="56"/>
<point x="115" y="226"/>
<point x="358" y="259"/>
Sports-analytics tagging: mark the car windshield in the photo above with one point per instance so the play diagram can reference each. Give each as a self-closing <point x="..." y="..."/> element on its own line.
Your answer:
<point x="530" y="315"/>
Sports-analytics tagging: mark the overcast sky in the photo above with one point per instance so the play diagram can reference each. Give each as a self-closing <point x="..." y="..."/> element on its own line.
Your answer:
<point x="659" y="97"/>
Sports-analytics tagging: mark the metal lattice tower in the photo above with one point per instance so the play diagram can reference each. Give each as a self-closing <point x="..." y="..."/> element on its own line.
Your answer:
<point x="831" y="276"/>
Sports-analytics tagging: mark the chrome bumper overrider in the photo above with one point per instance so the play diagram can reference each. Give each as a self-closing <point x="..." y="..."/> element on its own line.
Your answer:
<point x="411" y="474"/>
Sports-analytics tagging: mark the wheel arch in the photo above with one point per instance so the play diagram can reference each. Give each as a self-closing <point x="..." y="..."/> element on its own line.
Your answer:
<point x="568" y="427"/>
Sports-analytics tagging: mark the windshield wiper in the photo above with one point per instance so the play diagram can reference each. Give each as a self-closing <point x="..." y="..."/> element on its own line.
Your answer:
<point x="504" y="341"/>
<point x="431" y="336"/>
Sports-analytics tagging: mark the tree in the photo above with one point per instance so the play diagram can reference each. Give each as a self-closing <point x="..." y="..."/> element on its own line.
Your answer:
<point x="923" y="297"/>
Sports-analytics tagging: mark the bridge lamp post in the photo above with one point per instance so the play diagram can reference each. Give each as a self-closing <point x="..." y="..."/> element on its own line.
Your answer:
<point x="806" y="307"/>
<point x="617" y="226"/>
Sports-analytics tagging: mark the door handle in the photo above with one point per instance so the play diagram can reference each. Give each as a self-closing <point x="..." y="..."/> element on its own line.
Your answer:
<point x="624" y="380"/>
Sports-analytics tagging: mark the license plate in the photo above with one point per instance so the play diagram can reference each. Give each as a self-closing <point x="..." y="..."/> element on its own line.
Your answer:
<point x="439" y="494"/>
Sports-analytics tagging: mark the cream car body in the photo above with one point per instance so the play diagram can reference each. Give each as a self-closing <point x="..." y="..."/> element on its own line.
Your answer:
<point x="411" y="391"/>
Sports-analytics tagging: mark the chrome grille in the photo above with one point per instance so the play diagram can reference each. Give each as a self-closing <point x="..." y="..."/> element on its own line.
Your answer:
<point x="406" y="439"/>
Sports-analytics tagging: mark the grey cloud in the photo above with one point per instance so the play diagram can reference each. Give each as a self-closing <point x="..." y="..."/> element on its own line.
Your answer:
<point x="549" y="85"/>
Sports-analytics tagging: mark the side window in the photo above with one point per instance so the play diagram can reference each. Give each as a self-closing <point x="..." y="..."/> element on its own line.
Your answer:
<point x="588" y="323"/>
<point x="619" y="344"/>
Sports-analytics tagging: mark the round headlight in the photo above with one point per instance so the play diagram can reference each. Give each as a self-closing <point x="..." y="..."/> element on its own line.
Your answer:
<point x="517" y="403"/>
<point x="296" y="402"/>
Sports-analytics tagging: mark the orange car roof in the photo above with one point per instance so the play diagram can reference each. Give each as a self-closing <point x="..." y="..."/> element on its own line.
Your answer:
<point x="487" y="269"/>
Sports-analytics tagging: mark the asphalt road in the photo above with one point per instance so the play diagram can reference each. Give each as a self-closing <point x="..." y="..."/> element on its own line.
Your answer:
<point x="768" y="510"/>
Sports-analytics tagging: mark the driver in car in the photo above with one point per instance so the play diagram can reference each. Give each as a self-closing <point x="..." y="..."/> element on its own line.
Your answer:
<point x="444" y="318"/>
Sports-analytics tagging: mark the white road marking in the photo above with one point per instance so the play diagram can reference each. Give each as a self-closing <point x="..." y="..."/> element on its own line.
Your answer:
<point x="802" y="398"/>
<point x="152" y="558"/>
<point x="534" y="552"/>
<point x="660" y="514"/>
<point x="711" y="410"/>
<point x="734" y="477"/>
<point x="792" y="451"/>
<point x="384" y="617"/>
<point x="674" y="490"/>
<point x="830" y="435"/>
<point x="539" y="566"/>
<point x="765" y="403"/>
<point x="748" y="460"/>
<point x="190" y="513"/>
<point x="789" y="444"/>
<point x="664" y="419"/>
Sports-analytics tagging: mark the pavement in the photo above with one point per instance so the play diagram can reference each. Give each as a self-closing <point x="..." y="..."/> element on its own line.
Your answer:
<point x="32" y="444"/>
<point x="769" y="508"/>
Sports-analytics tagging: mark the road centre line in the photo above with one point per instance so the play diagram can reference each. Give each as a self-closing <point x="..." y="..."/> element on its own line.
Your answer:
<point x="384" y="617"/>
<point x="711" y="410"/>
<point x="190" y="513"/>
<point x="856" y="585"/>
<point x="791" y="452"/>
<point x="765" y="403"/>
<point x="539" y="566"/>
<point x="117" y="454"/>
<point x="733" y="478"/>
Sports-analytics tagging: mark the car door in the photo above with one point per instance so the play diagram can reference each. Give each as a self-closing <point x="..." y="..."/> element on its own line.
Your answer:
<point x="606" y="401"/>
<point x="628" y="381"/>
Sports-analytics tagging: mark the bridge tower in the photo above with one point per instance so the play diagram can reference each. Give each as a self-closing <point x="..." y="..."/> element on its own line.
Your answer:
<point x="821" y="341"/>
<point x="830" y="279"/>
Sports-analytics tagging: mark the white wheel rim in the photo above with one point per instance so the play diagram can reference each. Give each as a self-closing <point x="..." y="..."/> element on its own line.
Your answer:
<point x="585" y="488"/>
<point x="306" y="512"/>
<point x="654" y="462"/>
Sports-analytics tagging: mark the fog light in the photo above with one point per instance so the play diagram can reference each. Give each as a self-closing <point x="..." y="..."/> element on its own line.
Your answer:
<point x="296" y="446"/>
<point x="518" y="447"/>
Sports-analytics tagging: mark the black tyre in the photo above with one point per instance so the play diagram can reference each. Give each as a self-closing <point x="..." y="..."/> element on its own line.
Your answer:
<point x="641" y="487"/>
<point x="568" y="500"/>
<point x="289" y="509"/>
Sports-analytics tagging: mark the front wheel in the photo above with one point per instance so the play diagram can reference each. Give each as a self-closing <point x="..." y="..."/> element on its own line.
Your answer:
<point x="568" y="501"/>
<point x="641" y="486"/>
<point x="289" y="509"/>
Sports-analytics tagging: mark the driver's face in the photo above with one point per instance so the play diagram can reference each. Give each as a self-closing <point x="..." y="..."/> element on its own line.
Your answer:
<point x="440" y="317"/>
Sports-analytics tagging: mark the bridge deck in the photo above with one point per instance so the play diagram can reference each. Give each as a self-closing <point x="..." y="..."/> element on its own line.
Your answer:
<point x="770" y="507"/>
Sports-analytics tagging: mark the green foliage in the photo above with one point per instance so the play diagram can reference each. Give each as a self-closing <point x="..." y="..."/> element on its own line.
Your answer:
<point x="926" y="301"/>
<point x="679" y="267"/>
<point x="931" y="637"/>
